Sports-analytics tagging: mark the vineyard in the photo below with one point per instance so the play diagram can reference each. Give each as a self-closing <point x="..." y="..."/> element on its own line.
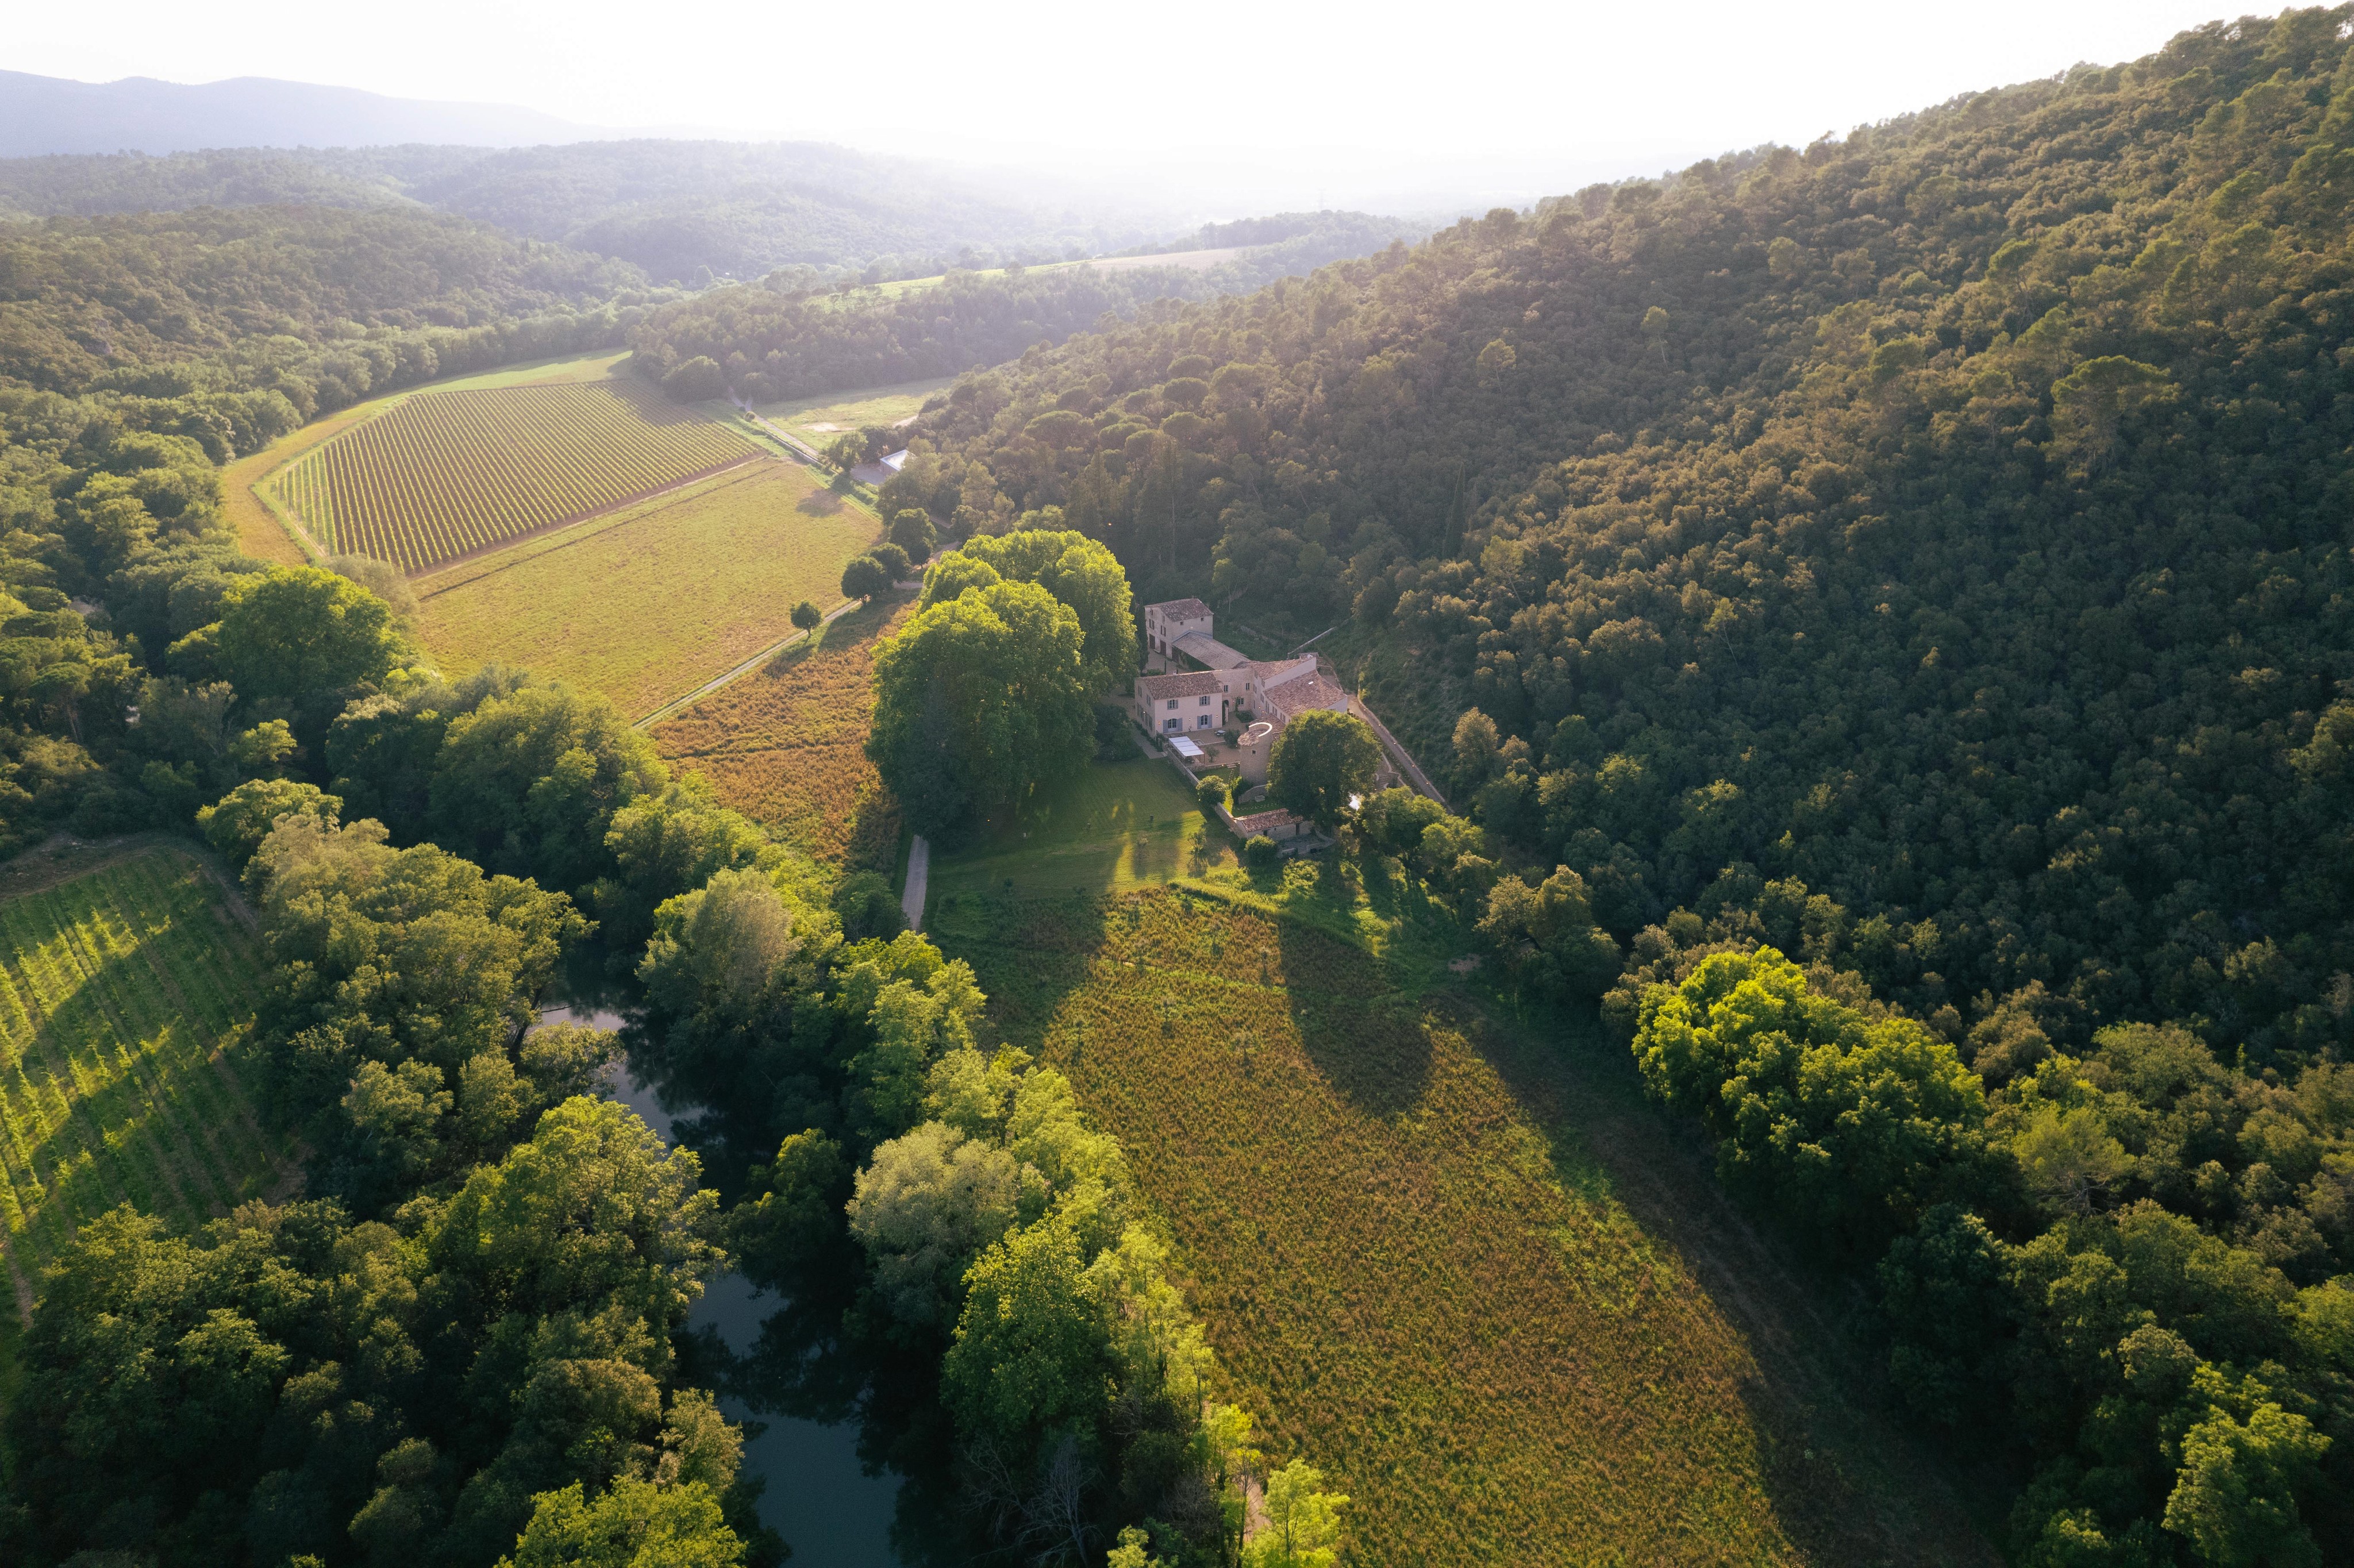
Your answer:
<point x="124" y="996"/>
<point x="648" y="603"/>
<point x="444" y="475"/>
<point x="784" y="745"/>
<point x="1468" y="1272"/>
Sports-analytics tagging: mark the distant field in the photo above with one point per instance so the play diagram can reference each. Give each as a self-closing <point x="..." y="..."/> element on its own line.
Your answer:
<point x="783" y="744"/>
<point x="649" y="602"/>
<point x="819" y="420"/>
<point x="446" y="473"/>
<point x="1455" y="1261"/>
<point x="1109" y="828"/>
<point x="125" y="993"/>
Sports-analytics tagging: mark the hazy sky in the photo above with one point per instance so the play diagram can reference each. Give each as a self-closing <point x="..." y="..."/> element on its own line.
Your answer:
<point x="1344" y="97"/>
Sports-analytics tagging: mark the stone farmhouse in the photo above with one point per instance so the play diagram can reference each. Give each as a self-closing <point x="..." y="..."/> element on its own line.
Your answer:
<point x="1216" y="699"/>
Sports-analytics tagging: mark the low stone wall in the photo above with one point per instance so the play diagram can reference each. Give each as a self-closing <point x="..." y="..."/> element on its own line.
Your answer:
<point x="1398" y="753"/>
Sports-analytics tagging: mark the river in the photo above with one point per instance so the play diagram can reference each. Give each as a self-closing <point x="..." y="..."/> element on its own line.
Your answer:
<point x="819" y="1497"/>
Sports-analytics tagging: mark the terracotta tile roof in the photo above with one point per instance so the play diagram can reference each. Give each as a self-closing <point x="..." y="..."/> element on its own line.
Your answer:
<point x="1264" y="822"/>
<point x="1306" y="692"/>
<point x="1185" y="684"/>
<point x="1182" y="610"/>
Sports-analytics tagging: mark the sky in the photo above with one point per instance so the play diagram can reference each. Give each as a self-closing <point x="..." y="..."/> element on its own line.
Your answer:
<point x="1348" y="104"/>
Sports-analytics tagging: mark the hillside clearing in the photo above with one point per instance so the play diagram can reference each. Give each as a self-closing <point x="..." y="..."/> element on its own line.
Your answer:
<point x="1468" y="1272"/>
<point x="820" y="420"/>
<point x="652" y="601"/>
<point x="784" y="744"/>
<point x="125" y="992"/>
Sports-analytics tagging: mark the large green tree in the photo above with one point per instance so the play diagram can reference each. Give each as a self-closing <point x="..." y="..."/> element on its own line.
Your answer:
<point x="1852" y="1126"/>
<point x="1321" y="761"/>
<point x="1077" y="570"/>
<point x="305" y="637"/>
<point x="977" y="701"/>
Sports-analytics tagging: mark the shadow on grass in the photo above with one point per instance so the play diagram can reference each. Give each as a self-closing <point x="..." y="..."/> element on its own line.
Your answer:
<point x="1849" y="1483"/>
<point x="819" y="503"/>
<point x="1366" y="1038"/>
<point x="836" y="636"/>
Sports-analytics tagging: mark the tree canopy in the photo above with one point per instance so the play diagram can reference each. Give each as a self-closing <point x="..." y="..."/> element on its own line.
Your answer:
<point x="1078" y="571"/>
<point x="977" y="700"/>
<point x="1321" y="761"/>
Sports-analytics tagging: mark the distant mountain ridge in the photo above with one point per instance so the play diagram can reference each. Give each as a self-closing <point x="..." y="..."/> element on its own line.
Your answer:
<point x="45" y="114"/>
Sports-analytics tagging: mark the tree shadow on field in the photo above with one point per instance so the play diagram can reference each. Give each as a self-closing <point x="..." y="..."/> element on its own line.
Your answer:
<point x="1366" y="1038"/>
<point x="819" y="503"/>
<point x="118" y="1142"/>
<point x="1031" y="954"/>
<point x="836" y="636"/>
<point x="1848" y="1481"/>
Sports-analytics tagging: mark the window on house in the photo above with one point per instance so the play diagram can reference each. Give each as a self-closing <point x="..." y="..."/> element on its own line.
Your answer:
<point x="1172" y="724"/>
<point x="1201" y="721"/>
<point x="1204" y="703"/>
<point x="1172" y="701"/>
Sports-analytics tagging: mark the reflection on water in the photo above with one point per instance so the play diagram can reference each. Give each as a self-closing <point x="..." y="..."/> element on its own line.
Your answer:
<point x="831" y="1511"/>
<point x="818" y="1498"/>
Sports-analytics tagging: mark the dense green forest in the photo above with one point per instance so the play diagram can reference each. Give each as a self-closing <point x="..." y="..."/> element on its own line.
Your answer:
<point x="317" y="306"/>
<point x="1927" y="552"/>
<point x="96" y="185"/>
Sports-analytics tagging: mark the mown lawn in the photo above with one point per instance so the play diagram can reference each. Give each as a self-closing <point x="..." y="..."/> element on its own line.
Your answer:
<point x="650" y="602"/>
<point x="1110" y="827"/>
<point x="785" y="744"/>
<point x="1448" y="1255"/>
<point x="126" y="994"/>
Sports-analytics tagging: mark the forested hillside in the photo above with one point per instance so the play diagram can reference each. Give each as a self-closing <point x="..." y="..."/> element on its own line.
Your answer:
<point x="91" y="185"/>
<point x="783" y="338"/>
<point x="1927" y="553"/>
<point x="680" y="210"/>
<point x="1866" y="508"/>
<point x="82" y="297"/>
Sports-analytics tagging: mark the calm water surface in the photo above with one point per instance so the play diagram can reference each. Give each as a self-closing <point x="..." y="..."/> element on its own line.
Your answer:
<point x="830" y="1512"/>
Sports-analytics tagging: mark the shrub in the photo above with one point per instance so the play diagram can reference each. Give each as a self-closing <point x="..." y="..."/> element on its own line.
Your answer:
<point x="893" y="560"/>
<point x="1259" y="851"/>
<point x="1211" y="792"/>
<point x="1111" y="734"/>
<point x="696" y="381"/>
<point x="867" y="908"/>
<point x="864" y="578"/>
<point x="913" y="532"/>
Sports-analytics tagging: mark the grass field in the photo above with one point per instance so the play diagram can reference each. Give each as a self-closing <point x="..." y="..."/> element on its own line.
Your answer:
<point x="1452" y="1257"/>
<point x="125" y="993"/>
<point x="443" y="474"/>
<point x="783" y="744"/>
<point x="651" y="601"/>
<point x="819" y="420"/>
<point x="1109" y="828"/>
